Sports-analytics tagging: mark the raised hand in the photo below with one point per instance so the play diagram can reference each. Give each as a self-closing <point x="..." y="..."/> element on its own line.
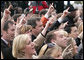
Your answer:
<point x="67" y="50"/>
<point x="7" y="11"/>
<point x="65" y="12"/>
<point x="47" y="26"/>
<point x="63" y="25"/>
<point x="51" y="8"/>
<point x="50" y="22"/>
<point x="10" y="6"/>
<point x="21" y="19"/>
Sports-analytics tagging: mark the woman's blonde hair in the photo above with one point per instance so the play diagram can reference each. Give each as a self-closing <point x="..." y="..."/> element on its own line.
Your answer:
<point x="19" y="44"/>
<point x="49" y="51"/>
<point x="25" y="28"/>
<point x="80" y="27"/>
<point x="53" y="52"/>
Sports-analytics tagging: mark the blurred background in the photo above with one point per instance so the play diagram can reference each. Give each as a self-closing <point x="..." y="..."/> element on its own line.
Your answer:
<point x="58" y="5"/>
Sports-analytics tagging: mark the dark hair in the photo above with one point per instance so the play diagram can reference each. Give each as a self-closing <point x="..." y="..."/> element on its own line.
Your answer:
<point x="68" y="27"/>
<point x="50" y="36"/>
<point x="43" y="11"/>
<point x="32" y="21"/>
<point x="76" y="18"/>
<point x="15" y="16"/>
<point x="71" y="8"/>
<point x="6" y="26"/>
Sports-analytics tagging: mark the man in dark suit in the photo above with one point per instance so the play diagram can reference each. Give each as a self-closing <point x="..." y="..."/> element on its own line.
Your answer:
<point x="6" y="39"/>
<point x="37" y="26"/>
<point x="8" y="33"/>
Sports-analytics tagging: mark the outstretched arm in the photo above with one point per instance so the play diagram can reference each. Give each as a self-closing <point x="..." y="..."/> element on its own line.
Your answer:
<point x="5" y="16"/>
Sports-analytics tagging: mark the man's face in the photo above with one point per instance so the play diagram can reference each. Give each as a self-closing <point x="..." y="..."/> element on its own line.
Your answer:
<point x="39" y="27"/>
<point x="11" y="32"/>
<point x="61" y="39"/>
<point x="74" y="32"/>
<point x="20" y="10"/>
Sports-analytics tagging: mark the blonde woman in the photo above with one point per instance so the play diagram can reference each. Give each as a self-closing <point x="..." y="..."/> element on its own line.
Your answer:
<point x="51" y="50"/>
<point x="80" y="27"/>
<point x="24" y="48"/>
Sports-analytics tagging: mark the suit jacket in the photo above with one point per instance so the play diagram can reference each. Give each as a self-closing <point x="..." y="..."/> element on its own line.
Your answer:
<point x="6" y="51"/>
<point x="55" y="25"/>
<point x="33" y="37"/>
<point x="79" y="55"/>
<point x="39" y="41"/>
<point x="78" y="41"/>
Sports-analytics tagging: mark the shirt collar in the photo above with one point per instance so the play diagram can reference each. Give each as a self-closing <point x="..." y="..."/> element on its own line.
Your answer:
<point x="4" y="40"/>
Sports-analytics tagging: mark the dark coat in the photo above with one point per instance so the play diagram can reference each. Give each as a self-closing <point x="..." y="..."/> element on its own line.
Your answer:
<point x="6" y="51"/>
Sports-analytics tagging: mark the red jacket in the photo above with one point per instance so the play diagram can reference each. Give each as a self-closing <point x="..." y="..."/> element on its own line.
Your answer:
<point x="39" y="5"/>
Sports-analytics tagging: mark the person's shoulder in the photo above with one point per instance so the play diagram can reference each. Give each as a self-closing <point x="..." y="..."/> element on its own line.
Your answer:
<point x="80" y="47"/>
<point x="3" y="44"/>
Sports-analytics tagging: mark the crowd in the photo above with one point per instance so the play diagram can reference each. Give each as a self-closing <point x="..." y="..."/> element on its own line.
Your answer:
<point x="34" y="30"/>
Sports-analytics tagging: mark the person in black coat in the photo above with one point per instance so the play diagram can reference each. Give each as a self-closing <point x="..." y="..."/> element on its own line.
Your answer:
<point x="6" y="50"/>
<point x="80" y="52"/>
<point x="71" y="15"/>
<point x="6" y="39"/>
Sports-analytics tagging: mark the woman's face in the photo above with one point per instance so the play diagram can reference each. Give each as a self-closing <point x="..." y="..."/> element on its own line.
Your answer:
<point x="30" y="47"/>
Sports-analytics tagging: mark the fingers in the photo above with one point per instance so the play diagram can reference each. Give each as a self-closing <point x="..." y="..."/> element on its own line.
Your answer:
<point x="22" y="17"/>
<point x="71" y="49"/>
<point x="52" y="4"/>
<point x="69" y="52"/>
<point x="66" y="23"/>
<point x="9" y="7"/>
<point x="7" y="11"/>
<point x="20" y="25"/>
<point x="66" y="12"/>
<point x="68" y="47"/>
<point x="68" y="8"/>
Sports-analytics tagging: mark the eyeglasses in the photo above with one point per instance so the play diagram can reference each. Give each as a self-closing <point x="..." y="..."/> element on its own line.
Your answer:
<point x="49" y="45"/>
